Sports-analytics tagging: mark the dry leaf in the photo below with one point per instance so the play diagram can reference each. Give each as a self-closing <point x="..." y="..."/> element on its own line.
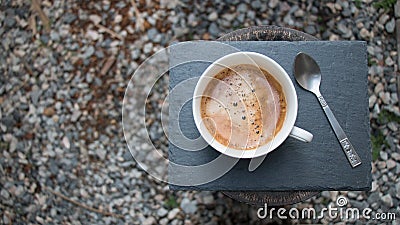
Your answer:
<point x="45" y="20"/>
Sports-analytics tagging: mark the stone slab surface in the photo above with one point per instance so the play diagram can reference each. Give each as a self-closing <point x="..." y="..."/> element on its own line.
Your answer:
<point x="319" y="165"/>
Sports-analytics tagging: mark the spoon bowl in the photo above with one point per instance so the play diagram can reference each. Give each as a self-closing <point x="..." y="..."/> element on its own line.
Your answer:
<point x="307" y="72"/>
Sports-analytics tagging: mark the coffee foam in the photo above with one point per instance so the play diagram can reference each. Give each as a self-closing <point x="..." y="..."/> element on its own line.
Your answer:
<point x="243" y="107"/>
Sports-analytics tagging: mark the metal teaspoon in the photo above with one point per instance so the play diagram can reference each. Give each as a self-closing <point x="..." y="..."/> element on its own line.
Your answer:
<point x="308" y="76"/>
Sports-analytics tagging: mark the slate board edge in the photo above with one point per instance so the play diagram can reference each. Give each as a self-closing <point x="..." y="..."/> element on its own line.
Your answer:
<point x="367" y="186"/>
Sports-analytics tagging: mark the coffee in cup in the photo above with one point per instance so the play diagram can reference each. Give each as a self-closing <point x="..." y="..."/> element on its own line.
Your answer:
<point x="245" y="102"/>
<point x="245" y="105"/>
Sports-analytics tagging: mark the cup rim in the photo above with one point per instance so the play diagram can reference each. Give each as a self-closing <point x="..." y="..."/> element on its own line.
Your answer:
<point x="279" y="138"/>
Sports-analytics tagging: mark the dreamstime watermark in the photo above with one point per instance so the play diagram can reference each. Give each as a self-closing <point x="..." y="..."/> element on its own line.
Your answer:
<point x="333" y="212"/>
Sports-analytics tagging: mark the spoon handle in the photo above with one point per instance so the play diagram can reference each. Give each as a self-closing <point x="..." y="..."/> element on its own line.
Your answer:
<point x="347" y="147"/>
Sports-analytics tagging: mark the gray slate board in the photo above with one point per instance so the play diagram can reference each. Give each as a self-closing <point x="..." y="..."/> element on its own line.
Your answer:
<point x="319" y="165"/>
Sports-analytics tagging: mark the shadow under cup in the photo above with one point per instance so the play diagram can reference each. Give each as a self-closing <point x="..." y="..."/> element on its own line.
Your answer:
<point x="274" y="69"/>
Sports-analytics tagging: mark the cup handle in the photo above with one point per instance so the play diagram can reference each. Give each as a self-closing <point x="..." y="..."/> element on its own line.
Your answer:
<point x="301" y="135"/>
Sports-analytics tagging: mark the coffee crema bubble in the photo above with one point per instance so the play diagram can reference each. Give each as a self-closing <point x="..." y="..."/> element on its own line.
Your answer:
<point x="243" y="107"/>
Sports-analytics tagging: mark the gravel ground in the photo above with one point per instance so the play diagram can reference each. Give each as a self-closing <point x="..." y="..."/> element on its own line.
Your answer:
<point x="65" y="67"/>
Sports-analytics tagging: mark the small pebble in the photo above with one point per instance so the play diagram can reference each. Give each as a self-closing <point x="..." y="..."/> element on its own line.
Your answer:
<point x="383" y="155"/>
<point x="390" y="26"/>
<point x="378" y="88"/>
<point x="390" y="164"/>
<point x="173" y="213"/>
<point x="387" y="200"/>
<point x="65" y="142"/>
<point x="395" y="156"/>
<point x="213" y="16"/>
<point x="148" y="47"/>
<point x="96" y="19"/>
<point x="162" y="212"/>
<point x="188" y="206"/>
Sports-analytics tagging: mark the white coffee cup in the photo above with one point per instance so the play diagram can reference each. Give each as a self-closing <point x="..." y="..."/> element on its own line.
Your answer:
<point x="268" y="64"/>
